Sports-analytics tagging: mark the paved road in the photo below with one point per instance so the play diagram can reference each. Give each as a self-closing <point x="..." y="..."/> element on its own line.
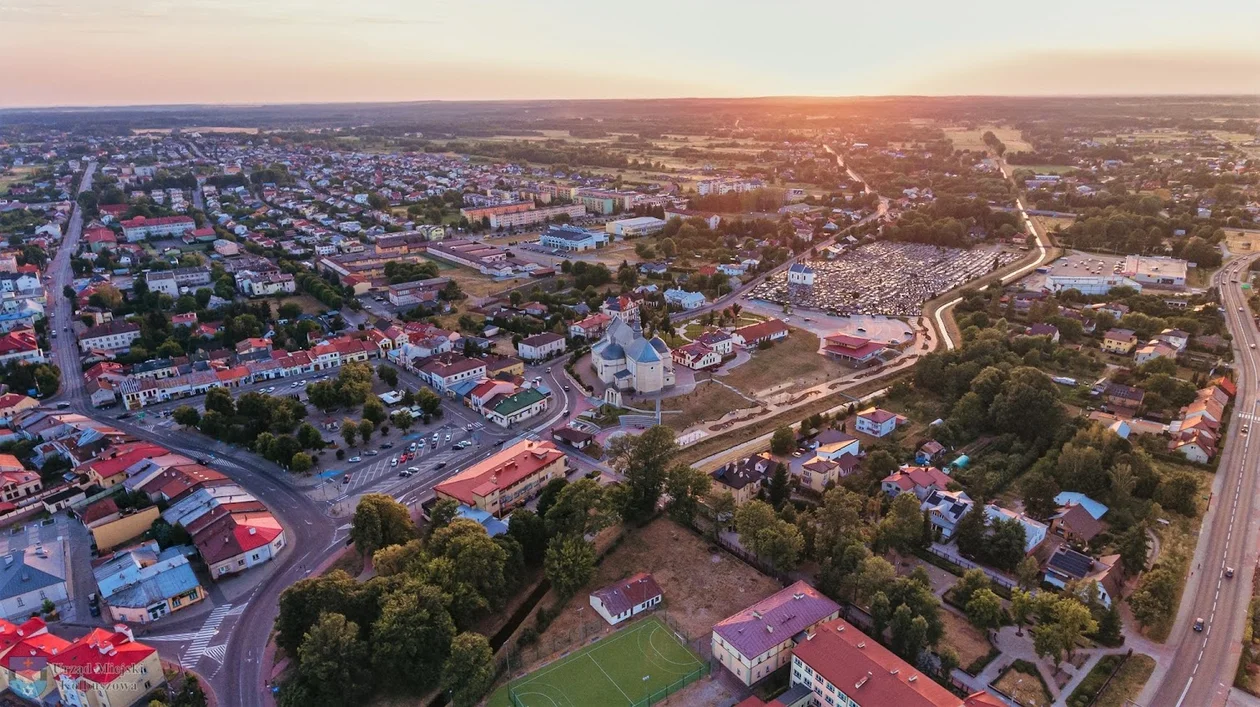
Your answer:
<point x="1201" y="669"/>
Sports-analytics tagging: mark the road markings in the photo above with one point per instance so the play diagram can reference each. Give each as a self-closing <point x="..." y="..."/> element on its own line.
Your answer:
<point x="203" y="637"/>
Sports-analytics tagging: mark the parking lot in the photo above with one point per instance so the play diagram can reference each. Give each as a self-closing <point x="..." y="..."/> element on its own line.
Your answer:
<point x="885" y="278"/>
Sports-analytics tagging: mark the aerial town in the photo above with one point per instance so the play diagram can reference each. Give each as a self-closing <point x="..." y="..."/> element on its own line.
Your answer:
<point x="924" y="404"/>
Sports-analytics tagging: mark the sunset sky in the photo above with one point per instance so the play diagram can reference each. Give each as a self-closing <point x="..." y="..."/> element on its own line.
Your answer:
<point x="122" y="52"/>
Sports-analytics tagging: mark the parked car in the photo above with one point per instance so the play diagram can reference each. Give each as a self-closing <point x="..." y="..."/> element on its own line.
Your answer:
<point x="393" y="462"/>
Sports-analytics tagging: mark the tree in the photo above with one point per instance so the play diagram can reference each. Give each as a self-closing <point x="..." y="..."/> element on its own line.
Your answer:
<point x="1154" y="598"/>
<point x="881" y="614"/>
<point x="1132" y="547"/>
<point x="880" y="463"/>
<point x="1028" y="571"/>
<point x="366" y="428"/>
<point x="547" y="497"/>
<point x="1110" y="626"/>
<point x="782" y="441"/>
<point x="969" y="533"/>
<point x="402" y="419"/>
<point x="528" y="529"/>
<point x="569" y="564"/>
<point x="331" y="665"/>
<point x="349" y="430"/>
<point x="324" y="395"/>
<point x="972" y="581"/>
<point x="412" y="638"/>
<point x="1004" y="548"/>
<point x="187" y="416"/>
<point x="190" y="693"/>
<point x="301" y="462"/>
<point x="780" y="489"/>
<point x="1039" y="492"/>
<point x="581" y="508"/>
<point x="374" y="410"/>
<point x="309" y="436"/>
<point x="388" y="375"/>
<point x="874" y="575"/>
<point x="901" y="529"/>
<point x="429" y="402"/>
<point x="1021" y="607"/>
<point x="685" y="486"/>
<point x="643" y="462"/>
<point x="909" y="633"/>
<point x="220" y="400"/>
<point x="380" y="521"/>
<point x="984" y="610"/>
<point x="469" y="669"/>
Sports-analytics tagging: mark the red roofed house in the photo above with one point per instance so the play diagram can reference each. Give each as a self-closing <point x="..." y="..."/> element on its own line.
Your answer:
<point x="20" y="345"/>
<point x="12" y="404"/>
<point x="110" y="468"/>
<point x="769" y="330"/>
<point x="107" y="669"/>
<point x="626" y="598"/>
<point x="232" y="541"/>
<point x="877" y="422"/>
<point x="918" y="480"/>
<point x="99" y="239"/>
<point x="696" y="356"/>
<point x="841" y="665"/>
<point x="759" y="640"/>
<point x="507" y="479"/>
<point x="140" y="228"/>
<point x="853" y="350"/>
<point x="19" y="484"/>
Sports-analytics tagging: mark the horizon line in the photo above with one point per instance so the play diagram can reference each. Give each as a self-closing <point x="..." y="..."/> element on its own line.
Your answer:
<point x="420" y="101"/>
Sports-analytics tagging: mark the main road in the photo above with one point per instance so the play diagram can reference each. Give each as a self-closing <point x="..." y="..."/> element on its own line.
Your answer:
<point x="1200" y="670"/>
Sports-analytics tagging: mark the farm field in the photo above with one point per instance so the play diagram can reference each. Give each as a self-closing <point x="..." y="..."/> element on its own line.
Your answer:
<point x="14" y="175"/>
<point x="973" y="140"/>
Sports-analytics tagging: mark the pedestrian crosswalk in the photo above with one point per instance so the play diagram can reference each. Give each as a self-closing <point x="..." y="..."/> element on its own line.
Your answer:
<point x="217" y="653"/>
<point x="202" y="638"/>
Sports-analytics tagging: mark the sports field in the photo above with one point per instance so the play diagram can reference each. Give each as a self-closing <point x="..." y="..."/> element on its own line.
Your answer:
<point x="638" y="665"/>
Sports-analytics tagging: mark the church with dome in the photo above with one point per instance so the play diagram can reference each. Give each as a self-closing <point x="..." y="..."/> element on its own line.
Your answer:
<point x="628" y="361"/>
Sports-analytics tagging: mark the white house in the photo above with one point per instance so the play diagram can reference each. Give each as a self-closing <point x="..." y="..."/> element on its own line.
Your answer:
<point x="801" y="274"/>
<point x="684" y="299"/>
<point x="877" y="422"/>
<point x="540" y="346"/>
<point x="628" y="597"/>
<point x="29" y="576"/>
<point x="945" y="508"/>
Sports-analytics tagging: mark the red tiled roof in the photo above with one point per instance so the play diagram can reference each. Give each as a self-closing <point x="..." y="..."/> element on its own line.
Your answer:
<point x="866" y="671"/>
<point x="101" y="509"/>
<point x="101" y="657"/>
<point x="762" y="330"/>
<point x="231" y="535"/>
<point x="501" y="470"/>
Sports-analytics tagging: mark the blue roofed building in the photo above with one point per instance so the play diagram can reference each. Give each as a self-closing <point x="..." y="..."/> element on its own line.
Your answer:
<point x="144" y="583"/>
<point x="684" y="299"/>
<point x="494" y="527"/>
<point x="572" y="238"/>
<point x="1074" y="498"/>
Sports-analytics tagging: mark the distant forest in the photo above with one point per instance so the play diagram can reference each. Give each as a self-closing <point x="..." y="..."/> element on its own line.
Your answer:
<point x="648" y="118"/>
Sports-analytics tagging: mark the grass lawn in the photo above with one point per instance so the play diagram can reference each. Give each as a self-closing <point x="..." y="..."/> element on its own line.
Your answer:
<point x="1025" y="687"/>
<point x="1128" y="682"/>
<point x="1048" y="168"/>
<point x="473" y="283"/>
<point x="967" y="640"/>
<point x="15" y="175"/>
<point x="708" y="401"/>
<point x="1177" y="541"/>
<point x="309" y="304"/>
<point x="1200" y="276"/>
<point x="796" y="356"/>
<point x="634" y="664"/>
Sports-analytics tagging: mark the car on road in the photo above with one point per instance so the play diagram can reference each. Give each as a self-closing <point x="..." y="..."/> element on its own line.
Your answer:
<point x="463" y="444"/>
<point x="387" y="445"/>
<point x="1229" y="572"/>
<point x="356" y="459"/>
<point x="372" y="452"/>
<point x="440" y="465"/>
<point x="549" y="369"/>
<point x="413" y="469"/>
<point x="468" y="427"/>
<point x="124" y="416"/>
<point x="567" y="388"/>
<point x="1198" y="624"/>
<point x="406" y="472"/>
<point x="1246" y="429"/>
